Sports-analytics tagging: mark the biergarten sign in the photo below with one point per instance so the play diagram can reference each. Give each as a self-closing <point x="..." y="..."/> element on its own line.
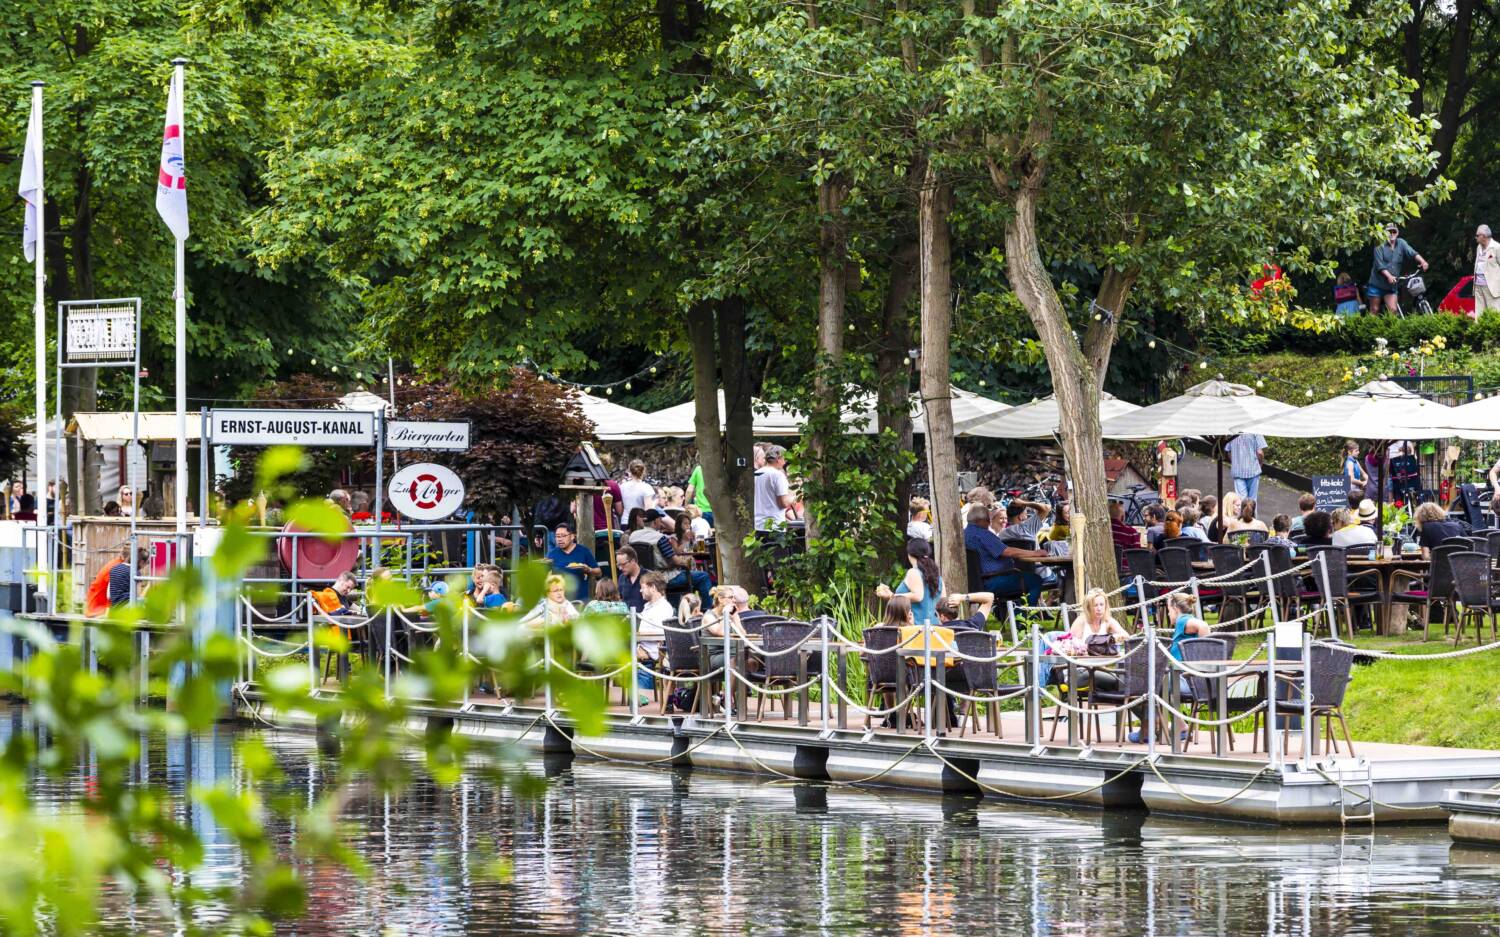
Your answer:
<point x="429" y="435"/>
<point x="291" y="428"/>
<point x="426" y="491"/>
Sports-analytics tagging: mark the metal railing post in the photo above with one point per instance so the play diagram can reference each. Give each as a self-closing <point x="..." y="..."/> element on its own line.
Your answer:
<point x="1034" y="723"/>
<point x="312" y="648"/>
<point x="635" y="676"/>
<point x="547" y="664"/>
<point x="1265" y="558"/>
<point x="1273" y="737"/>
<point x="1333" y="626"/>
<point x="1197" y="597"/>
<point x="728" y="676"/>
<point x="1307" y="729"/>
<point x="1151" y="684"/>
<point x="824" y="622"/>
<point x="927" y="678"/>
<point x="464" y="619"/>
<point x="1010" y="616"/>
<point x="389" y="652"/>
<point x="1140" y="598"/>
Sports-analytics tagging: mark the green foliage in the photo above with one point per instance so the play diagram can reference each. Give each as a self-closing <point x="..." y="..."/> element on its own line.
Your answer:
<point x="53" y="867"/>
<point x="316" y="472"/>
<point x="524" y="431"/>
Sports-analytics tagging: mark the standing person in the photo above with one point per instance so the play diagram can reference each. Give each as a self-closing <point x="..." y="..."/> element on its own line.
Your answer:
<point x="1345" y="295"/>
<point x="635" y="491"/>
<point x="1486" y="272"/>
<point x="616" y="508"/>
<point x="1390" y="255"/>
<point x="21" y="501"/>
<point x="1354" y="470"/>
<point x="338" y="496"/>
<point x="922" y="584"/>
<point x="573" y="561"/>
<point x="919" y="527"/>
<point x="773" y="493"/>
<point x="1246" y="452"/>
<point x="697" y="494"/>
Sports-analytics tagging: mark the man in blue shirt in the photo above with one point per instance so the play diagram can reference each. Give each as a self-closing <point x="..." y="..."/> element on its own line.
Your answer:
<point x="630" y="578"/>
<point x="1245" y="454"/>
<point x="997" y="560"/>
<point x="574" y="561"/>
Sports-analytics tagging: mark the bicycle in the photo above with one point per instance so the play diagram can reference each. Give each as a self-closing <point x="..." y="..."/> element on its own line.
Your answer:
<point x="1136" y="503"/>
<point x="1416" y="288"/>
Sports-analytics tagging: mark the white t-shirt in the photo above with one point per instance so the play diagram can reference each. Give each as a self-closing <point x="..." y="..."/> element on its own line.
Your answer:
<point x="770" y="486"/>
<point x="701" y="529"/>
<point x="653" y="616"/>
<point x="1357" y="535"/>
<point x="918" y="530"/>
<point x="635" y="493"/>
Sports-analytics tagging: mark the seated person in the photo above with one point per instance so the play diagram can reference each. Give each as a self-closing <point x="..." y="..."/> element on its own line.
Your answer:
<point x="101" y="592"/>
<point x="606" y="600"/>
<point x="1190" y="526"/>
<point x="335" y="599"/>
<point x="980" y="604"/>
<point x="1121" y="533"/>
<point x="630" y="578"/>
<point x="1305" y="506"/>
<point x="654" y="537"/>
<point x="487" y="588"/>
<point x="1349" y="532"/>
<point x="554" y="608"/>
<point x="573" y="561"/>
<point x="997" y="559"/>
<point x="1245" y="518"/>
<point x="1281" y="534"/>
<point x="1156" y="519"/>
<point x="1095" y="618"/>
<point x="1024" y="520"/>
<point x="1433" y="527"/>
<point x="1317" y="528"/>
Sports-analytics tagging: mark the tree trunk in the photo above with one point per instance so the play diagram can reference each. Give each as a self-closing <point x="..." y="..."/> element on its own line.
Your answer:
<point x="1076" y="384"/>
<point x="935" y="203"/>
<point x="893" y="370"/>
<point x="728" y="470"/>
<point x="833" y="278"/>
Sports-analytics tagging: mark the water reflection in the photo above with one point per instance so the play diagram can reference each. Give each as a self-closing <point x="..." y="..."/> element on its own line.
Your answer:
<point x="613" y="849"/>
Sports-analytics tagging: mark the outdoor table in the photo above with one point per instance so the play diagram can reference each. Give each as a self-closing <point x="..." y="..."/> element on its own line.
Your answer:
<point x="1221" y="696"/>
<point x="1385" y="571"/>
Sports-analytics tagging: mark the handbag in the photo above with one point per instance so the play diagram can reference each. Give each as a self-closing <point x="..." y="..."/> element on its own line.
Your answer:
<point x="1102" y="645"/>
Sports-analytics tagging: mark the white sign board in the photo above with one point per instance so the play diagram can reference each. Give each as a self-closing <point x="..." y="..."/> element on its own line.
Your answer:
<point x="425" y="492"/>
<point x="101" y="333"/>
<point x="291" y="428"/>
<point x="451" y="436"/>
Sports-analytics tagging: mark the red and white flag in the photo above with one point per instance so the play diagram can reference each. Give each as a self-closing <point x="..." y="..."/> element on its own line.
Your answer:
<point x="31" y="180"/>
<point x="171" y="180"/>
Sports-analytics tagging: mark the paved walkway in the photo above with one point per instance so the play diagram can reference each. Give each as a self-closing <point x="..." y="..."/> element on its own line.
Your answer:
<point x="1196" y="471"/>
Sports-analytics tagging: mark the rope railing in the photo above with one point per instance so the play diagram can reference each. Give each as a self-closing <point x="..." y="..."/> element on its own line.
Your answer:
<point x="1387" y="655"/>
<point x="268" y="619"/>
<point x="1187" y="668"/>
<point x="1163" y="701"/>
<point x="1085" y="710"/>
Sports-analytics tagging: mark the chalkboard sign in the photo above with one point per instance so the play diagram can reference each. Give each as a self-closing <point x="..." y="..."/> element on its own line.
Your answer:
<point x="1332" y="491"/>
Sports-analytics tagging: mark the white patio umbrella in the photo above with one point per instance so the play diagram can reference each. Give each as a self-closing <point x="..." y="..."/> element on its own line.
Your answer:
<point x="1380" y="411"/>
<point x="1214" y="410"/>
<point x="611" y="420"/>
<point x="768" y="420"/>
<point x="1038" y="419"/>
<point x="1479" y="419"/>
<point x="969" y="410"/>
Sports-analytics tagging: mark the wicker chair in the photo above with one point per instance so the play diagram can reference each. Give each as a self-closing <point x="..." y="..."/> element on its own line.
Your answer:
<point x="882" y="671"/>
<point x="1435" y="587"/>
<point x="1283" y="588"/>
<point x="1227" y="560"/>
<point x="1134" y="687"/>
<point x="1200" y="698"/>
<point x="1340" y="584"/>
<point x="783" y="670"/>
<point x="1140" y="561"/>
<point x="983" y="680"/>
<point x="1329" y="679"/>
<point x="1471" y="586"/>
<point x="683" y="658"/>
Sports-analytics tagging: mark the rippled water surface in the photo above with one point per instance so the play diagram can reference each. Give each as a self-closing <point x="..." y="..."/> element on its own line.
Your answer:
<point x="622" y="850"/>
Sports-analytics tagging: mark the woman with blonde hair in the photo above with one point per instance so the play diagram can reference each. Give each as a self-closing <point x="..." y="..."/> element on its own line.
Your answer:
<point x="1095" y="618"/>
<point x="919" y="527"/>
<point x="555" y="609"/>
<point x="1433" y="527"/>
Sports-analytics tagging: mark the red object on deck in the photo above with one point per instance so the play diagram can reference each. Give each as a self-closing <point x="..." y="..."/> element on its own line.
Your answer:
<point x="317" y="558"/>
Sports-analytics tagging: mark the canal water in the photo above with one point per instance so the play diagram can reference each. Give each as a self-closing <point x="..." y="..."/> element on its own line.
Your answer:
<point x="608" y="849"/>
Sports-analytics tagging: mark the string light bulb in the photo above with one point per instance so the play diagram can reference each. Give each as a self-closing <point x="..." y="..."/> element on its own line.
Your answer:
<point x="627" y="385"/>
<point x="1309" y="393"/>
<point x="1151" y="344"/>
<point x="609" y="391"/>
<point x="1260" y="383"/>
<point x="1203" y="365"/>
<point x="653" y="369"/>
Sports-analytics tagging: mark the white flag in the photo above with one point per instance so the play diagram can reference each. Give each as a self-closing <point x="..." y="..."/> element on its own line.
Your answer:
<point x="31" y="180"/>
<point x="171" y="181"/>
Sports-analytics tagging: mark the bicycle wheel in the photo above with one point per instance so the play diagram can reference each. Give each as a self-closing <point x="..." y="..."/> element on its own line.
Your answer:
<point x="1423" y="306"/>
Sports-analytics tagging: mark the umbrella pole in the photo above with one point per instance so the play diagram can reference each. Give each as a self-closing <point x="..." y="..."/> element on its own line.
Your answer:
<point x="1380" y="455"/>
<point x="1218" y="443"/>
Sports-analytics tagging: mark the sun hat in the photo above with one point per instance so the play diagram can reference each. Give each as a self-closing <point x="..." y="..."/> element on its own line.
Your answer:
<point x="1366" y="511"/>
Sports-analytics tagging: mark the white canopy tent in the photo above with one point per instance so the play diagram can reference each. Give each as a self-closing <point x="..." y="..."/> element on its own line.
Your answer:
<point x="1214" y="410"/>
<point x="1479" y="420"/>
<point x="771" y="419"/>
<point x="365" y="402"/>
<point x="1379" y="411"/>
<point x="612" y="421"/>
<point x="1038" y="419"/>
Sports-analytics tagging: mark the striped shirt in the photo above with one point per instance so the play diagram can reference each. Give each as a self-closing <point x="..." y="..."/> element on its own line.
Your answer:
<point x="1244" y="461"/>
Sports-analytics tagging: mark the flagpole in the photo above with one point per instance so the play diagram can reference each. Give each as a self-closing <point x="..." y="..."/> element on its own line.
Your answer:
<point x="43" y="523"/>
<point x="180" y="339"/>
